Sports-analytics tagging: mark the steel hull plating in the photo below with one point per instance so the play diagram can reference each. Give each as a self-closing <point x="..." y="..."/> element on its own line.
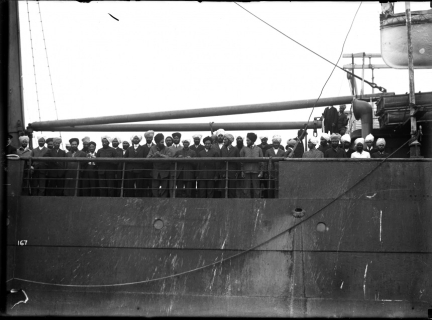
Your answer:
<point x="371" y="259"/>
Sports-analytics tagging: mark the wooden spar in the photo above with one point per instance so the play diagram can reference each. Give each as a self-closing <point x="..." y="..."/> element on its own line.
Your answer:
<point x="198" y="113"/>
<point x="184" y="127"/>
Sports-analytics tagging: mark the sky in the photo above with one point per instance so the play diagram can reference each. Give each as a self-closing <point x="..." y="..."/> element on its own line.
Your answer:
<point x="162" y="56"/>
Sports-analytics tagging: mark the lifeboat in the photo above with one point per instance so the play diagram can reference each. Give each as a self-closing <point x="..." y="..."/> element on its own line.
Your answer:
<point x="394" y="39"/>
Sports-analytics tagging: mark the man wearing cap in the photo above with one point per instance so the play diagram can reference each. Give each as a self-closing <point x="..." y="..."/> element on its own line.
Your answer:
<point x="55" y="183"/>
<point x="90" y="175"/>
<point x="116" y="141"/>
<point x="71" y="174"/>
<point x="346" y="142"/>
<point x="369" y="144"/>
<point x="38" y="181"/>
<point x="360" y="153"/>
<point x="161" y="170"/>
<point x="335" y="151"/>
<point x="251" y="171"/>
<point x="331" y="117"/>
<point x="10" y="149"/>
<point x="272" y="168"/>
<point x="324" y="146"/>
<point x="313" y="153"/>
<point x="207" y="170"/>
<point x="228" y="151"/>
<point x="134" y="171"/>
<point x="106" y="169"/>
<point x="85" y="142"/>
<point x="147" y="166"/>
<point x="380" y="153"/>
<point x="185" y="170"/>
<point x="50" y="143"/>
<point x="342" y="119"/>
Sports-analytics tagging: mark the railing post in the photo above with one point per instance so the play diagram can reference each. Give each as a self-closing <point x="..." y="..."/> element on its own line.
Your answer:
<point x="122" y="181"/>
<point x="77" y="177"/>
<point x="226" y="179"/>
<point x="174" y="180"/>
<point x="269" y="185"/>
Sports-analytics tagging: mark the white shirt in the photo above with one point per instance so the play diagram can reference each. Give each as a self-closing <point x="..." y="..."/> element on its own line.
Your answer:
<point x="176" y="145"/>
<point x="40" y="148"/>
<point x="136" y="146"/>
<point x="220" y="145"/>
<point x="149" y="145"/>
<point x="363" y="155"/>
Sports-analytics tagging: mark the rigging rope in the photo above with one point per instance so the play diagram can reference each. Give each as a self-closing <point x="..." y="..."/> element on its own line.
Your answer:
<point x="373" y="85"/>
<point x="49" y="69"/>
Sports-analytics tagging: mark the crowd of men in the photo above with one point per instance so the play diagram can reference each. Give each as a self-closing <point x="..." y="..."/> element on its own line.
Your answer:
<point x="205" y="179"/>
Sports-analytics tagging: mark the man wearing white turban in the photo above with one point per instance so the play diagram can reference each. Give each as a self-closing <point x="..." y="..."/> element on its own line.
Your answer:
<point x="380" y="153"/>
<point x="85" y="141"/>
<point x="313" y="153"/>
<point x="264" y="145"/>
<point x="346" y="142"/>
<point x="324" y="140"/>
<point x="137" y="138"/>
<point x="335" y="151"/>
<point x="360" y="153"/>
<point x="271" y="170"/>
<point x="369" y="144"/>
<point x="38" y="181"/>
<point x="289" y="148"/>
<point x="24" y="151"/>
<point x="55" y="183"/>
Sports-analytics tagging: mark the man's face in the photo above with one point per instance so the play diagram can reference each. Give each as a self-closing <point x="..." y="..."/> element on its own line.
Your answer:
<point x="310" y="145"/>
<point x="226" y="142"/>
<point x="169" y="142"/>
<point x="323" y="141"/>
<point x="369" y="144"/>
<point x="135" y="140"/>
<point x="249" y="142"/>
<point x="341" y="109"/>
<point x="176" y="139"/>
<point x="50" y="145"/>
<point x="91" y="147"/>
<point x="85" y="145"/>
<point x="346" y="144"/>
<point x="207" y="144"/>
<point x="264" y="141"/>
<point x="276" y="144"/>
<point x="197" y="141"/>
<point x="56" y="144"/>
<point x="220" y="138"/>
<point x="381" y="147"/>
<point x="41" y="142"/>
<point x="334" y="143"/>
<point x="149" y="140"/>
<point x="115" y="143"/>
<point x="342" y="131"/>
<point x="105" y="143"/>
<point x="125" y="145"/>
<point x="239" y="141"/>
<point x="24" y="144"/>
<point x="74" y="146"/>
<point x="359" y="147"/>
<point x="161" y="144"/>
<point x="186" y="144"/>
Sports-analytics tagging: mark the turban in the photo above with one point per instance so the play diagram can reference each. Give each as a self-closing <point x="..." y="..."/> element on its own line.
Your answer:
<point x="74" y="139"/>
<point x="186" y="140"/>
<point x="314" y="140"/>
<point x="149" y="134"/>
<point x="24" y="138"/>
<point x="106" y="137"/>
<point x="251" y="136"/>
<point x="85" y="139"/>
<point x="49" y="140"/>
<point x="117" y="138"/>
<point x="335" y="136"/>
<point x="346" y="137"/>
<point x="369" y="137"/>
<point x="176" y="134"/>
<point x="136" y="135"/>
<point x="229" y="136"/>
<point x="41" y="137"/>
<point x="169" y="137"/>
<point x="380" y="141"/>
<point x="207" y="139"/>
<point x="93" y="143"/>
<point x="197" y="136"/>
<point x="359" y="140"/>
<point x="220" y="132"/>
<point x="57" y="139"/>
<point x="291" y="142"/>
<point x="125" y="141"/>
<point x="263" y="137"/>
<point x="159" y="137"/>
<point x="240" y="137"/>
<point x="277" y="138"/>
<point x="325" y="136"/>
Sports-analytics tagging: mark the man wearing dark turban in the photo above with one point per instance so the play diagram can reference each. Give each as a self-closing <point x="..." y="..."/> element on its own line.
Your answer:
<point x="161" y="170"/>
<point x="207" y="171"/>
<point x="254" y="170"/>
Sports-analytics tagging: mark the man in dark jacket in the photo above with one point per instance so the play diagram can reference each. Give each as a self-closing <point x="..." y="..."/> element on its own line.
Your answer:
<point x="134" y="170"/>
<point x="272" y="170"/>
<point x="116" y="141"/>
<point x="207" y="171"/>
<point x="324" y="140"/>
<point x="380" y="153"/>
<point x="331" y="117"/>
<point x="346" y="143"/>
<point x="185" y="175"/>
<point x="299" y="150"/>
<point x="90" y="176"/>
<point x="197" y="147"/>
<point x="55" y="169"/>
<point x="335" y="151"/>
<point x="229" y="151"/>
<point x="106" y="169"/>
<point x="147" y="166"/>
<point x="39" y="168"/>
<point x="71" y="174"/>
<point x="342" y="119"/>
<point x="10" y="149"/>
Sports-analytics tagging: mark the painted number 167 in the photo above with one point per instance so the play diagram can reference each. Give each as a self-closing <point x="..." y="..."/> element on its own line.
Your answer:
<point x="22" y="242"/>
